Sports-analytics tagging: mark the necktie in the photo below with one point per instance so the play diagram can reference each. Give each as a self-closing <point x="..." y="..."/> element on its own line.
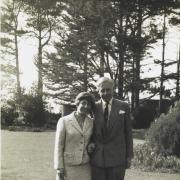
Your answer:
<point x="106" y="113"/>
<point x="105" y="131"/>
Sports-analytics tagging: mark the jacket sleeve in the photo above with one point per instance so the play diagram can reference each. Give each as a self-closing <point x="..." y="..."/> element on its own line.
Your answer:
<point x="59" y="145"/>
<point x="128" y="134"/>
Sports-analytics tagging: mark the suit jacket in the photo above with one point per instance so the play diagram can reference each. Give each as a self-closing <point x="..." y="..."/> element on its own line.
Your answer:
<point x="71" y="141"/>
<point x="112" y="149"/>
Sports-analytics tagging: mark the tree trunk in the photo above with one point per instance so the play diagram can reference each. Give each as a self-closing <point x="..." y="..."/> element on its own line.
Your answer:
<point x="17" y="65"/>
<point x="40" y="78"/>
<point x="102" y="63"/>
<point x="85" y="74"/>
<point x="121" y="59"/>
<point x="132" y="90"/>
<point x="178" y="77"/>
<point x="138" y="56"/>
<point x="162" y="64"/>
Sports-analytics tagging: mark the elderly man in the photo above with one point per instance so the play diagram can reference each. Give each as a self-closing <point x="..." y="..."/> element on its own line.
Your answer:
<point x="112" y="135"/>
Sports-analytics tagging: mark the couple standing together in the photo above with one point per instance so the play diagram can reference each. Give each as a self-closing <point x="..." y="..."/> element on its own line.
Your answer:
<point x="94" y="149"/>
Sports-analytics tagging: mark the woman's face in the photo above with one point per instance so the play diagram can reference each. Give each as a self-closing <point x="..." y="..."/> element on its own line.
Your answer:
<point x="84" y="107"/>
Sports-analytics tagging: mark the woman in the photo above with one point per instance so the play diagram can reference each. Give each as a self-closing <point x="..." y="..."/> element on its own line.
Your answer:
<point x="72" y="136"/>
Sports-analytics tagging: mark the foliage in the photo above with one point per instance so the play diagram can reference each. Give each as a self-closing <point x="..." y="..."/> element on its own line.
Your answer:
<point x="29" y="110"/>
<point x="97" y="37"/>
<point x="8" y="113"/>
<point x="11" y="32"/>
<point x="146" y="158"/>
<point x="90" y="38"/>
<point x="40" y="26"/>
<point x="143" y="116"/>
<point x="33" y="109"/>
<point x="147" y="111"/>
<point x="26" y="129"/>
<point x="52" y="119"/>
<point x="164" y="133"/>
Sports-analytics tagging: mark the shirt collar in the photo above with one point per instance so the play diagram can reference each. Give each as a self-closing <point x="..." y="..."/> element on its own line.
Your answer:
<point x="104" y="102"/>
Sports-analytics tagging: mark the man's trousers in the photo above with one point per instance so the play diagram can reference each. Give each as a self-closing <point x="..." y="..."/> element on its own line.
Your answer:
<point x="109" y="173"/>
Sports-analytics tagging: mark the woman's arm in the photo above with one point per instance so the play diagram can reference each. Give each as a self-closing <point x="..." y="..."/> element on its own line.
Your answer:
<point x="59" y="145"/>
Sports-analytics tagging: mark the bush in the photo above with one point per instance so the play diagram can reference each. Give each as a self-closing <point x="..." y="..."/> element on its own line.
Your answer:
<point x="26" y="110"/>
<point x="34" y="110"/>
<point x="147" y="159"/>
<point x="52" y="119"/>
<point x="142" y="117"/>
<point x="164" y="133"/>
<point x="24" y="128"/>
<point x="8" y="113"/>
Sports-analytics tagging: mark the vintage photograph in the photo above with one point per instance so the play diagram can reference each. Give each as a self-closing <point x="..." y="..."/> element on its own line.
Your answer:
<point x="90" y="89"/>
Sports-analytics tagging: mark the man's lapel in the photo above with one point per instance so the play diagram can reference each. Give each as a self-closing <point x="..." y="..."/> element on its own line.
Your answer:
<point x="114" y="115"/>
<point x="100" y="112"/>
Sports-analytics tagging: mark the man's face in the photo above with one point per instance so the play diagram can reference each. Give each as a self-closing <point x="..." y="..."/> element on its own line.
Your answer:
<point x="106" y="93"/>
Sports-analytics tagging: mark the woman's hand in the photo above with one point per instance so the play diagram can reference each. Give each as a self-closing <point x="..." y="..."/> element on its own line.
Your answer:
<point x="91" y="147"/>
<point x="61" y="174"/>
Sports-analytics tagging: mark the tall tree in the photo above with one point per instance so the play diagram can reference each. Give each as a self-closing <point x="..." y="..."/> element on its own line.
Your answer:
<point x="40" y="26"/>
<point x="72" y="71"/>
<point x="165" y="8"/>
<point x="10" y="27"/>
<point x="104" y="36"/>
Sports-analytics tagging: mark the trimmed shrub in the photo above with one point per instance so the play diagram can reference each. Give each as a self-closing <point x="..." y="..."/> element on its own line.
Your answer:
<point x="164" y="133"/>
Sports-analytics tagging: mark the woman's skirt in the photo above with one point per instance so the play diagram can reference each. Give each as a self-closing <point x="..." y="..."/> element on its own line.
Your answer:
<point x="78" y="172"/>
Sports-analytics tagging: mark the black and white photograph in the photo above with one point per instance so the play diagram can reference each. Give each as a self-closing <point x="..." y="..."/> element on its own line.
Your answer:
<point x="90" y="89"/>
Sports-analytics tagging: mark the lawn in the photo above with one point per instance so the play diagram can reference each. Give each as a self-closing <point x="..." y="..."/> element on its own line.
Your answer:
<point x="29" y="156"/>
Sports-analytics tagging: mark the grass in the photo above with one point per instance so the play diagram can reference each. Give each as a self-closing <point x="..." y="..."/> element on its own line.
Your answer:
<point x="29" y="156"/>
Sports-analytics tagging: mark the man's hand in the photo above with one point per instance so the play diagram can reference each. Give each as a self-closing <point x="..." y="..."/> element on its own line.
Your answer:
<point x="90" y="148"/>
<point x="128" y="163"/>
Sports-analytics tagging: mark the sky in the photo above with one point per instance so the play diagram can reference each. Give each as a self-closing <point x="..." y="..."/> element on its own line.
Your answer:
<point x="27" y="51"/>
<point x="171" y="52"/>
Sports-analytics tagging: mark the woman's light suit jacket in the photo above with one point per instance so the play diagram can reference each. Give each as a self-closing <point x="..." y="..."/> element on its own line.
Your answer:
<point x="71" y="141"/>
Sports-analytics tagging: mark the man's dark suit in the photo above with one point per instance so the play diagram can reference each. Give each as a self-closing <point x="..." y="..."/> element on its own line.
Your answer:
<point x="112" y="149"/>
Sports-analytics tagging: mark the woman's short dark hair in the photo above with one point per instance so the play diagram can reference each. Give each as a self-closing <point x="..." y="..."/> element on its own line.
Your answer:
<point x="85" y="96"/>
